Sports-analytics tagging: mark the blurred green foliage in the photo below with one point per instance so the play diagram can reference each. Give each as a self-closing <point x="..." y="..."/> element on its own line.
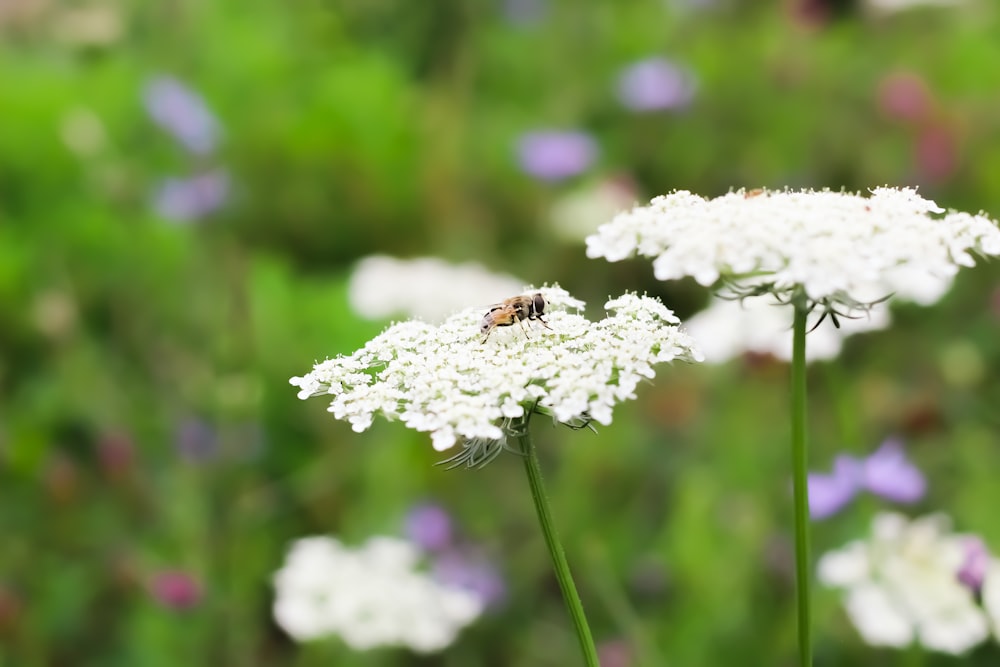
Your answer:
<point x="146" y="422"/>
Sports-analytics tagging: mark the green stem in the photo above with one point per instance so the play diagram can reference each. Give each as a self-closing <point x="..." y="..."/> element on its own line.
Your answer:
<point x="570" y="596"/>
<point x="800" y="482"/>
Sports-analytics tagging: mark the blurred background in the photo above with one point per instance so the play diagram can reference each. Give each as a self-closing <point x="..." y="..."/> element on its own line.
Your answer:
<point x="186" y="189"/>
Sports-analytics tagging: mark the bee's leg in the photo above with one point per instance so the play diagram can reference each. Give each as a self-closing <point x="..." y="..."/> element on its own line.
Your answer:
<point x="523" y="328"/>
<point x="544" y="323"/>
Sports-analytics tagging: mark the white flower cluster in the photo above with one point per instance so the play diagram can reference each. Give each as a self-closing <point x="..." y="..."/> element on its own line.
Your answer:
<point x="841" y="248"/>
<point x="370" y="596"/>
<point x="902" y="585"/>
<point x="729" y="328"/>
<point x="426" y="288"/>
<point x="447" y="381"/>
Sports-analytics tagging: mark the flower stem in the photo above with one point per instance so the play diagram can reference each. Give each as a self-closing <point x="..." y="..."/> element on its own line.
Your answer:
<point x="570" y="596"/>
<point x="800" y="481"/>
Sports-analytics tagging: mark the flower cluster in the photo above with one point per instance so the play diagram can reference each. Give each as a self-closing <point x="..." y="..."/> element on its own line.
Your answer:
<point x="845" y="251"/>
<point x="369" y="596"/>
<point x="886" y="473"/>
<point x="425" y="288"/>
<point x="905" y="583"/>
<point x="448" y="381"/>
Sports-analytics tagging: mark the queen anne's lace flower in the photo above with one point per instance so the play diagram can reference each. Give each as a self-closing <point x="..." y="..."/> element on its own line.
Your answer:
<point x="844" y="250"/>
<point x="902" y="585"/>
<point x="369" y="596"/>
<point x="447" y="381"/>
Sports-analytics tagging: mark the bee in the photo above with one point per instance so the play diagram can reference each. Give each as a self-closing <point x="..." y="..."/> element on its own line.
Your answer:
<point x="514" y="310"/>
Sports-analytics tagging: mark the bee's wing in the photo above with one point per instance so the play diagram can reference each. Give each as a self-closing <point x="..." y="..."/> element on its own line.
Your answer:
<point x="489" y="308"/>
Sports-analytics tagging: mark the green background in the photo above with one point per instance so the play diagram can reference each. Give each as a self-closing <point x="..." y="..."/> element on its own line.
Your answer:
<point x="366" y="126"/>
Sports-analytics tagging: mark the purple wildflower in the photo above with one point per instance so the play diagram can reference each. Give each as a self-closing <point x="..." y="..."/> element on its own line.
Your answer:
<point x="196" y="441"/>
<point x="183" y="113"/>
<point x="429" y="526"/>
<point x="175" y="589"/>
<point x="904" y="96"/>
<point x="886" y="473"/>
<point x="655" y="84"/>
<point x="615" y="653"/>
<point x="828" y="494"/>
<point x="974" y="566"/>
<point x="187" y="199"/>
<point x="464" y="570"/>
<point x="554" y="155"/>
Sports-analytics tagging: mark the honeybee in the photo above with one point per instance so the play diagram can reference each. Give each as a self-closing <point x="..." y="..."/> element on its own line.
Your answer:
<point x="514" y="310"/>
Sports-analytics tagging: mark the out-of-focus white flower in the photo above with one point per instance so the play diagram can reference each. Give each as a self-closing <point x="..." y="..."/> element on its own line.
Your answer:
<point x="579" y="212"/>
<point x="729" y="328"/>
<point x="370" y="596"/>
<point x="447" y="381"/>
<point x="843" y="250"/>
<point x="901" y="585"/>
<point x="425" y="288"/>
<point x="990" y="590"/>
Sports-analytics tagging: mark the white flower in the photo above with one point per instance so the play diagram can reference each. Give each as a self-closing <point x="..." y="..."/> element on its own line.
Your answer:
<point x="729" y="328"/>
<point x="447" y="381"/>
<point x="425" y="288"/>
<point x="902" y="585"/>
<point x="574" y="215"/>
<point x="369" y="596"/>
<point x="844" y="250"/>
<point x="991" y="594"/>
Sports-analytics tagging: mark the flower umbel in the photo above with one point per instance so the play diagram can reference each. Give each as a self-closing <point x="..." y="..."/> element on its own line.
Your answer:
<point x="447" y="381"/>
<point x="844" y="251"/>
